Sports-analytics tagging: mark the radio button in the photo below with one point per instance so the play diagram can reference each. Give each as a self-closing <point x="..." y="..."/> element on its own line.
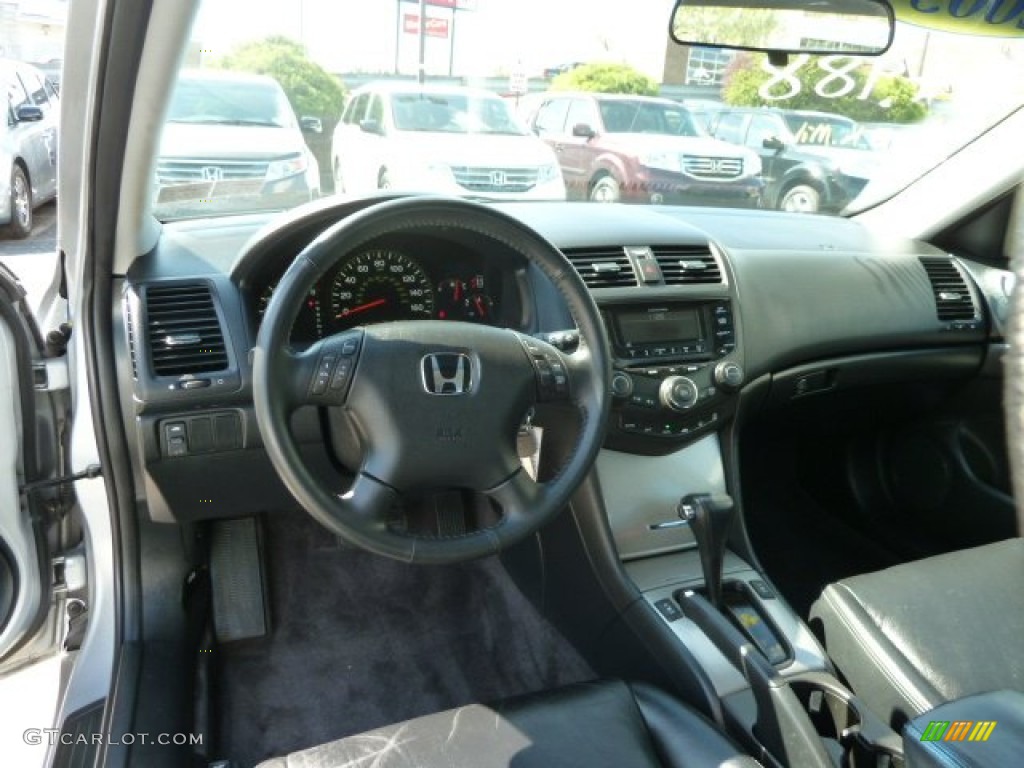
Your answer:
<point x="622" y="385"/>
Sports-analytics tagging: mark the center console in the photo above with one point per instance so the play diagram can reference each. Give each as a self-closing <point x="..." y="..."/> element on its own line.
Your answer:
<point x="677" y="373"/>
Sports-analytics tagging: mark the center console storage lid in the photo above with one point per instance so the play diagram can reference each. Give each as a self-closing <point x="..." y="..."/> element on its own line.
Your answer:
<point x="979" y="731"/>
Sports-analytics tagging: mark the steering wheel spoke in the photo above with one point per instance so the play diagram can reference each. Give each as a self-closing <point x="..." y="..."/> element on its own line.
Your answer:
<point x="517" y="496"/>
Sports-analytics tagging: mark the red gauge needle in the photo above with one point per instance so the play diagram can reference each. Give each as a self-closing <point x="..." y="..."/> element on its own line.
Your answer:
<point x="480" y="306"/>
<point x="362" y="308"/>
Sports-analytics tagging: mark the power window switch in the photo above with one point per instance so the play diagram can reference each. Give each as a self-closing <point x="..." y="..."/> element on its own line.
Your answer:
<point x="177" y="446"/>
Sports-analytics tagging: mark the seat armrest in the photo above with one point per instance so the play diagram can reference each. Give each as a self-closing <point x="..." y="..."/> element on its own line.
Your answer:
<point x="983" y="730"/>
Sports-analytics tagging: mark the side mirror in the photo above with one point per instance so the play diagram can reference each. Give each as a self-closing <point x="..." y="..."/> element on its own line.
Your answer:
<point x="371" y="126"/>
<point x="28" y="113"/>
<point x="774" y="143"/>
<point x="583" y="131"/>
<point x="311" y="125"/>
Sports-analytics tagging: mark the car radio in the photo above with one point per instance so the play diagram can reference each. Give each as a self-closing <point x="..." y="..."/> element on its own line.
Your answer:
<point x="675" y="363"/>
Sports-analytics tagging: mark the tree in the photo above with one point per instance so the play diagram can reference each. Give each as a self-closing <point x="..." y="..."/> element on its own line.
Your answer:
<point x="746" y="27"/>
<point x="606" y="77"/>
<point x="310" y="88"/>
<point x="838" y="84"/>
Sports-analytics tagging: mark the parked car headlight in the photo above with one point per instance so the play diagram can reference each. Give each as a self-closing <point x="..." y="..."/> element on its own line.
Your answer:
<point x="550" y="172"/>
<point x="282" y="169"/>
<point x="665" y="161"/>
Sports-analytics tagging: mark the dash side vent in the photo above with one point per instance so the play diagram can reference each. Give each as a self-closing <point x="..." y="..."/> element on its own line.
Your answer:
<point x="603" y="267"/>
<point x="129" y="323"/>
<point x="953" y="299"/>
<point x="183" y="330"/>
<point x="681" y="265"/>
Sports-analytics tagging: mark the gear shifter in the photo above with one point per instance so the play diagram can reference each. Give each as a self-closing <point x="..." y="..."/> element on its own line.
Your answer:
<point x="710" y="518"/>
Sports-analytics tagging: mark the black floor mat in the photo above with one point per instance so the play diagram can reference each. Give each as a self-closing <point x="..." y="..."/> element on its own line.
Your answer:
<point x="359" y="641"/>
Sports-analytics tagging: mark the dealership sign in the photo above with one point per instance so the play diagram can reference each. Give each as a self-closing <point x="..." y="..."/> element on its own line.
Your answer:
<point x="998" y="18"/>
<point x="459" y="5"/>
<point x="435" y="27"/>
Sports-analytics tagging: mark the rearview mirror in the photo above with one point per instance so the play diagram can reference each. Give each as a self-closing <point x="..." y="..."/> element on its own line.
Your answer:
<point x="826" y="27"/>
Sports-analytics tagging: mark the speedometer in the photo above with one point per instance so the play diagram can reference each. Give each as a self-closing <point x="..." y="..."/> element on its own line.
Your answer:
<point x="380" y="285"/>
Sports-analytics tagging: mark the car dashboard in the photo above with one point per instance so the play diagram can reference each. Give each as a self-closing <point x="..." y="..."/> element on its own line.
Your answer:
<point x="709" y="313"/>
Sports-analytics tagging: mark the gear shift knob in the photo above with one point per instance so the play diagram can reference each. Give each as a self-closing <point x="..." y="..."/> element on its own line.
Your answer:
<point x="710" y="518"/>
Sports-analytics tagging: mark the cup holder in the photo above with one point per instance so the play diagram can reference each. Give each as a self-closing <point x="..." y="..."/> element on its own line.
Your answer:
<point x="853" y="735"/>
<point x="831" y="707"/>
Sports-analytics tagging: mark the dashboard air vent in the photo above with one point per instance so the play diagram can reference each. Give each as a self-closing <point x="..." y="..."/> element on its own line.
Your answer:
<point x="602" y="267"/>
<point x="183" y="331"/>
<point x="682" y="265"/>
<point x="952" y="298"/>
<point x="130" y="327"/>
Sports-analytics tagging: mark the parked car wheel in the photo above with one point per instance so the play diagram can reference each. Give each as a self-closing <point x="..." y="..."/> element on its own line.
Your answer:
<point x="801" y="198"/>
<point x="21" y="205"/>
<point x="605" y="190"/>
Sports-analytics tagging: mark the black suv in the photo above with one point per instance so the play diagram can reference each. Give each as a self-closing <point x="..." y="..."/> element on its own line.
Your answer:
<point x="811" y="161"/>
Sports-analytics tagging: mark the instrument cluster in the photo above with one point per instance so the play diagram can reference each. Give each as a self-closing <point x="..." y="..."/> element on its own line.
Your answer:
<point x="384" y="283"/>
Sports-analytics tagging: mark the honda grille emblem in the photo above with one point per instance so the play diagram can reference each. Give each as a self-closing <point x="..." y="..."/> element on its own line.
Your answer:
<point x="447" y="373"/>
<point x="499" y="178"/>
<point x="212" y="173"/>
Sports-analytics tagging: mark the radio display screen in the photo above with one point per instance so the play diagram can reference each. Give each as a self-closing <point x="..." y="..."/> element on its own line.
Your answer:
<point x="651" y="326"/>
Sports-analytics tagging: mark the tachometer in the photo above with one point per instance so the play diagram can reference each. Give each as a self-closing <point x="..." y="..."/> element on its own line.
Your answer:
<point x="309" y="324"/>
<point x="380" y="285"/>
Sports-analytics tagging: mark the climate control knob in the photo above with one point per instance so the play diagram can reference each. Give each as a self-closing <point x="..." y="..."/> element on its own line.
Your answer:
<point x="678" y="393"/>
<point x="729" y="375"/>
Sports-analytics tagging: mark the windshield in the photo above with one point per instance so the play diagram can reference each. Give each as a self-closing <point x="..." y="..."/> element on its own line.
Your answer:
<point x="453" y="114"/>
<point x="647" y="117"/>
<point x="513" y="100"/>
<point x="230" y="102"/>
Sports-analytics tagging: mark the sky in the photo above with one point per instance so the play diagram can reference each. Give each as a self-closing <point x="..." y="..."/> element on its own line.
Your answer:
<point x="498" y="37"/>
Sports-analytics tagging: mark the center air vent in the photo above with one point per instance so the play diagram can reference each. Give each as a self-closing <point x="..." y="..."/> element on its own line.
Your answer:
<point x="602" y="267"/>
<point x="687" y="265"/>
<point x="183" y="331"/>
<point x="952" y="298"/>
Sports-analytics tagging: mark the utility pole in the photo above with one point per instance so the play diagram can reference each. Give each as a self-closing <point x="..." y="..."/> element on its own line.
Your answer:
<point x="422" y="70"/>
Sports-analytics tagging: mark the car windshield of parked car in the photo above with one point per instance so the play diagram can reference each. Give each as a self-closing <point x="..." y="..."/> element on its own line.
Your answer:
<point x="647" y="117"/>
<point x="230" y="102"/>
<point x="453" y="114"/>
<point x="579" y="100"/>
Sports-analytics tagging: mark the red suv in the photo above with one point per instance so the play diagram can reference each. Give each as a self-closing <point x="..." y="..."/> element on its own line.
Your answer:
<point x="642" y="149"/>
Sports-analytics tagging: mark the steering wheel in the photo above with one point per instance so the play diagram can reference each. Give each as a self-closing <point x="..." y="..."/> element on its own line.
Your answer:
<point x="435" y="404"/>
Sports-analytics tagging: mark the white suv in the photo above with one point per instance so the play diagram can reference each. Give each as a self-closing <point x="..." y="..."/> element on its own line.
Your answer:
<point x="445" y="139"/>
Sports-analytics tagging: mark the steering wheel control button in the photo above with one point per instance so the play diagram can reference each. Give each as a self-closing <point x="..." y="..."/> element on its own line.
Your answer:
<point x="349" y="347"/>
<point x="341" y="375"/>
<point x="678" y="393"/>
<point x="762" y="589"/>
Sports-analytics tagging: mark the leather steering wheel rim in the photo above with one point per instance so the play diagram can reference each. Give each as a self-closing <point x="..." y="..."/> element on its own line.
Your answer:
<point x="1013" y="391"/>
<point x="388" y="396"/>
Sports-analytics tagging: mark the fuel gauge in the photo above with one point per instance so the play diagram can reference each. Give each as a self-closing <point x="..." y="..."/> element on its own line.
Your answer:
<point x="451" y="299"/>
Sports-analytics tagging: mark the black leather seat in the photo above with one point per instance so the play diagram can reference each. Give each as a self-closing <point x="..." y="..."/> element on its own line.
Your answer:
<point x="605" y="723"/>
<point x="913" y="637"/>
